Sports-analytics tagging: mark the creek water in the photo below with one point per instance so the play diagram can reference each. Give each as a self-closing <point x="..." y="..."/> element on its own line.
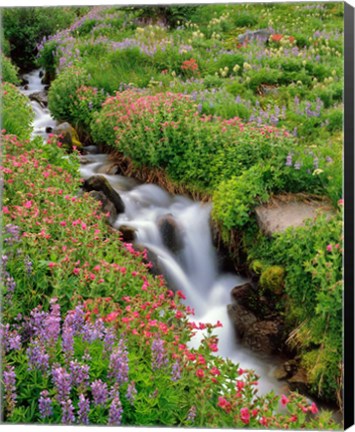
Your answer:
<point x="193" y="268"/>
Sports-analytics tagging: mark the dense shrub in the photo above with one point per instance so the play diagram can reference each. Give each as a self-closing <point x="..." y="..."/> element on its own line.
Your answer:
<point x="8" y="71"/>
<point x="16" y="112"/>
<point x="62" y="94"/>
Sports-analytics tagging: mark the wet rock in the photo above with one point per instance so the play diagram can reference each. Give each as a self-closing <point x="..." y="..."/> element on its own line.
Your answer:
<point x="287" y="211"/>
<point x="41" y="74"/>
<point x="250" y="35"/>
<point x="25" y="87"/>
<point x="280" y="373"/>
<point x="128" y="233"/>
<point x="106" y="205"/>
<point x="24" y="82"/>
<point x="68" y="134"/>
<point x="84" y="160"/>
<point x="90" y="149"/>
<point x="244" y="294"/>
<point x="101" y="184"/>
<point x="40" y="97"/>
<point x="242" y="318"/>
<point x="156" y="268"/>
<point x="109" y="168"/>
<point x="171" y="233"/>
<point x="46" y="87"/>
<point x="299" y="381"/>
<point x="49" y="129"/>
<point x="259" y="335"/>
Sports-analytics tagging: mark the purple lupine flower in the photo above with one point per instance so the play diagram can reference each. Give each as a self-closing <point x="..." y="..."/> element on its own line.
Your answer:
<point x="297" y="166"/>
<point x="52" y="322"/>
<point x="10" y="283"/>
<point x="159" y="358"/>
<point x="176" y="371"/>
<point x="199" y="108"/>
<point x="9" y="379"/>
<point x="10" y="340"/>
<point x="68" y="416"/>
<point x="28" y="265"/>
<point x="131" y="392"/>
<point x="315" y="163"/>
<point x="115" y="413"/>
<point x="80" y="375"/>
<point x="99" y="392"/>
<point x="84" y="409"/>
<point x="68" y="342"/>
<point x="14" y="234"/>
<point x="4" y="260"/>
<point x="118" y="367"/>
<point x="75" y="319"/>
<point x="109" y="339"/>
<point x="329" y="159"/>
<point x="191" y="414"/>
<point x="93" y="331"/>
<point x="294" y="133"/>
<point x="38" y="359"/>
<point x="37" y="319"/>
<point x="45" y="404"/>
<point x="62" y="382"/>
<point x="289" y="160"/>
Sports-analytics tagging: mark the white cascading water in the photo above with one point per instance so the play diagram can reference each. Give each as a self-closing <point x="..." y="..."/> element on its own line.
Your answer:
<point x="193" y="269"/>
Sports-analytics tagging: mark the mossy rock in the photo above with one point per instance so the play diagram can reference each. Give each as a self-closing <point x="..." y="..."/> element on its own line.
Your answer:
<point x="272" y="279"/>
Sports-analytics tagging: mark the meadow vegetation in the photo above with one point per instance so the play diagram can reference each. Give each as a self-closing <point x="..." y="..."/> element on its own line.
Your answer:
<point x="237" y="120"/>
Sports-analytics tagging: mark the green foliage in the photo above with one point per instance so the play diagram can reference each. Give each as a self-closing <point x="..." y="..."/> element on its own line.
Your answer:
<point x="311" y="257"/>
<point x="16" y="112"/>
<point x="244" y="20"/>
<point x="61" y="99"/>
<point x="9" y="72"/>
<point x="24" y="28"/>
<point x="48" y="61"/>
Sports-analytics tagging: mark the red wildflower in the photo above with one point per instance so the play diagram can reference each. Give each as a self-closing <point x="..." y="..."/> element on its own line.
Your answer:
<point x="200" y="373"/>
<point x="245" y="415"/>
<point x="284" y="400"/>
<point x="224" y="404"/>
<point x="313" y="408"/>
<point x="215" y="371"/>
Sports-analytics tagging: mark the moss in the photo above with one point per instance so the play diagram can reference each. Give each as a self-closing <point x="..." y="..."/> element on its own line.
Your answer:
<point x="272" y="279"/>
<point x="257" y="267"/>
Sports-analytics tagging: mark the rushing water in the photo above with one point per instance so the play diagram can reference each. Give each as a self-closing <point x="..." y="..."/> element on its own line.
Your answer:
<point x="193" y="268"/>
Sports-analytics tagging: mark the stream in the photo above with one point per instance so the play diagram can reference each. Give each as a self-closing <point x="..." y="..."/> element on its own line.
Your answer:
<point x="193" y="266"/>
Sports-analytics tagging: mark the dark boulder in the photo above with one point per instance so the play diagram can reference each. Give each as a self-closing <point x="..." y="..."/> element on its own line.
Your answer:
<point x="299" y="381"/>
<point x="128" y="233"/>
<point x="40" y="97"/>
<point x="171" y="233"/>
<point x="259" y="335"/>
<point x="244" y="294"/>
<point x="100" y="184"/>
